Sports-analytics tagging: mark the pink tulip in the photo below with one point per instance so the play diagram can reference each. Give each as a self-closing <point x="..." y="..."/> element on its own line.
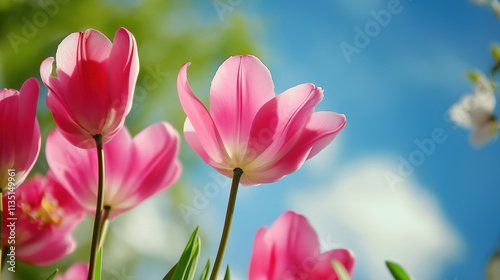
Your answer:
<point x="290" y="249"/>
<point x="77" y="271"/>
<point x="135" y="168"/>
<point x="46" y="217"/>
<point x="94" y="87"/>
<point x="267" y="136"/>
<point x="19" y="132"/>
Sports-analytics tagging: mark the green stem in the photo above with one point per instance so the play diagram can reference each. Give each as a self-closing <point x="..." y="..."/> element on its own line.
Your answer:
<point x="104" y="225"/>
<point x="98" y="211"/>
<point x="4" y="255"/>
<point x="237" y="172"/>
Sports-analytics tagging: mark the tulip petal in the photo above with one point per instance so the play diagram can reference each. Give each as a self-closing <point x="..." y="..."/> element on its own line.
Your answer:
<point x="321" y="129"/>
<point x="323" y="268"/>
<point x="152" y="167"/>
<point x="74" y="168"/>
<point x="241" y="86"/>
<point x="195" y="143"/>
<point x="28" y="138"/>
<point x="260" y="263"/>
<point x="122" y="72"/>
<point x="66" y="55"/>
<point x="55" y="247"/>
<point x="285" y="248"/>
<point x="200" y="119"/>
<point x="282" y="118"/>
<point x="77" y="271"/>
<point x="9" y="109"/>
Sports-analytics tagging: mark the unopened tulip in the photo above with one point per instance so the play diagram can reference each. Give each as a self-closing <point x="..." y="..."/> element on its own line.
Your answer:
<point x="135" y="168"/>
<point x="19" y="133"/>
<point x="94" y="87"/>
<point x="290" y="249"/>
<point x="250" y="128"/>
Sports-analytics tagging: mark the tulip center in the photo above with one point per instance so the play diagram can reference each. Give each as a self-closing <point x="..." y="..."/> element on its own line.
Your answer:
<point x="48" y="212"/>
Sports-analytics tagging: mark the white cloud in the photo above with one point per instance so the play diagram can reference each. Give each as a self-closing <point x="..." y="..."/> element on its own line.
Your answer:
<point x="360" y="211"/>
<point x="151" y="230"/>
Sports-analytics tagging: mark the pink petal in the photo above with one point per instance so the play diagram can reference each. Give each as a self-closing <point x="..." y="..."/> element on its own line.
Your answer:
<point x="94" y="46"/>
<point x="27" y="160"/>
<point x="9" y="109"/>
<point x="122" y="72"/>
<point x="72" y="131"/>
<point x="260" y="263"/>
<point x="241" y="86"/>
<point x="77" y="271"/>
<point x="281" y="119"/>
<point x="286" y="247"/>
<point x="200" y="119"/>
<point x="85" y="91"/>
<point x="66" y="55"/>
<point x="322" y="128"/>
<point x="154" y="166"/>
<point x="323" y="269"/>
<point x="194" y="141"/>
<point x="50" y="250"/>
<point x="74" y="168"/>
<point x="73" y="211"/>
<point x="20" y="138"/>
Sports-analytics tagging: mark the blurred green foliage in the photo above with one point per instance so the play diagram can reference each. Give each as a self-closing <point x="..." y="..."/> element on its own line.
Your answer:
<point x="168" y="34"/>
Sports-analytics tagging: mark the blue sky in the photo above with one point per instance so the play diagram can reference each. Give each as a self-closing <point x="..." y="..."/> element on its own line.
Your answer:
<point x="396" y="91"/>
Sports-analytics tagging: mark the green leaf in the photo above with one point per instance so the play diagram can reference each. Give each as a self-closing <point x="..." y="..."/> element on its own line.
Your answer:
<point x="340" y="270"/>
<point x="495" y="51"/>
<point x="98" y="266"/>
<point x="397" y="271"/>
<point x="206" y="270"/>
<point x="227" y="276"/>
<point x="473" y="76"/>
<point x="193" y="262"/>
<point x="187" y="263"/>
<point x="53" y="275"/>
<point x="170" y="274"/>
<point x="495" y="68"/>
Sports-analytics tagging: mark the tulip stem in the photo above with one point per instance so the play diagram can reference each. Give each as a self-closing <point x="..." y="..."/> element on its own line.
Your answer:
<point x="4" y="255"/>
<point x="98" y="211"/>
<point x="104" y="225"/>
<point x="237" y="172"/>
